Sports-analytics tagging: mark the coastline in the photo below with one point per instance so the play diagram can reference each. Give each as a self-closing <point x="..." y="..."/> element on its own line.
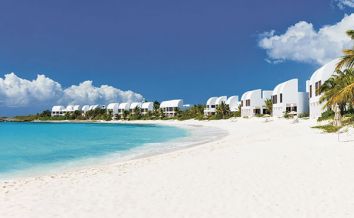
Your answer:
<point x="195" y="137"/>
<point x="259" y="169"/>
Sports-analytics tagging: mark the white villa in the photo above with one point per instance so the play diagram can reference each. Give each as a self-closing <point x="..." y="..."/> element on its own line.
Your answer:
<point x="85" y="108"/>
<point x="210" y="108"/>
<point x="113" y="107"/>
<point x="233" y="103"/>
<point x="287" y="98"/>
<point x="212" y="102"/>
<point x="313" y="87"/>
<point x="72" y="108"/>
<point x="146" y="107"/>
<point x="58" y="110"/>
<point x="97" y="106"/>
<point x="252" y="102"/>
<point x="134" y="105"/>
<point x="123" y="107"/>
<point x="170" y="107"/>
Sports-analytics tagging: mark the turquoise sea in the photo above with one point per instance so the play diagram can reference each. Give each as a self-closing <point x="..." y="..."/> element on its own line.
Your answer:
<point x="28" y="145"/>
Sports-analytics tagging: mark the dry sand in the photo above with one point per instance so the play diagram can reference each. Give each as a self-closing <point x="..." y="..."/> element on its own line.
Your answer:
<point x="260" y="169"/>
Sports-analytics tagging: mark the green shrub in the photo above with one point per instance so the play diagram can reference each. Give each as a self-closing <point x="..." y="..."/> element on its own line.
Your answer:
<point x="327" y="115"/>
<point x="328" y="128"/>
<point x="304" y="115"/>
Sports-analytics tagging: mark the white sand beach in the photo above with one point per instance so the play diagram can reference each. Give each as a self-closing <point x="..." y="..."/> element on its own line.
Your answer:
<point x="259" y="169"/>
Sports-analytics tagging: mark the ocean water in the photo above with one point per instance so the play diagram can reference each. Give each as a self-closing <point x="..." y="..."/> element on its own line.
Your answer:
<point x="25" y="146"/>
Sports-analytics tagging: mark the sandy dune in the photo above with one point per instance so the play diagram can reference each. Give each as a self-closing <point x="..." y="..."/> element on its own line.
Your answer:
<point x="260" y="169"/>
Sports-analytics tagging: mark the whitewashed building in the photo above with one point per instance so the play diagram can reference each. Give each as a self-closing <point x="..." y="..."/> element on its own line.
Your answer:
<point x="221" y="99"/>
<point x="123" y="107"/>
<point x="313" y="87"/>
<point x="58" y="110"/>
<point x="286" y="98"/>
<point x="134" y="105"/>
<point x="147" y="107"/>
<point x="253" y="102"/>
<point x="169" y="108"/>
<point x="210" y="108"/>
<point x="97" y="106"/>
<point x="113" y="108"/>
<point x="85" y="108"/>
<point x="72" y="108"/>
<point x="233" y="103"/>
<point x="213" y="102"/>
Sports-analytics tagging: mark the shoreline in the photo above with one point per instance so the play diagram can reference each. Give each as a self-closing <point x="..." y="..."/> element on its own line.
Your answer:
<point x="117" y="158"/>
<point x="259" y="169"/>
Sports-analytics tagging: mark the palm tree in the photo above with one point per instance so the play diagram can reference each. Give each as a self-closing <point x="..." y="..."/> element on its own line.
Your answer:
<point x="222" y="110"/>
<point x="339" y="89"/>
<point x="269" y="105"/>
<point x="347" y="61"/>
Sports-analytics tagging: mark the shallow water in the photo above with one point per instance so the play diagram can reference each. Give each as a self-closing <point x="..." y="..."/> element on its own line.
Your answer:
<point x="32" y="145"/>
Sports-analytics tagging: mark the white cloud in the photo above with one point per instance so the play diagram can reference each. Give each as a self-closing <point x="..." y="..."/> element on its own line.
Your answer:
<point x="18" y="92"/>
<point x="86" y="93"/>
<point x="342" y="4"/>
<point x="43" y="91"/>
<point x="302" y="43"/>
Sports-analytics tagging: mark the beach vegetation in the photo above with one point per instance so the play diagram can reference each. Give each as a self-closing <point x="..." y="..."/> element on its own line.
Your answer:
<point x="339" y="88"/>
<point x="304" y="115"/>
<point x="223" y="111"/>
<point x="269" y="105"/>
<point x="347" y="60"/>
<point x="327" y="128"/>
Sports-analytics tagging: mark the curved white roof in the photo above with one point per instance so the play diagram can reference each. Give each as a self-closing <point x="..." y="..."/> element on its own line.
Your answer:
<point x="93" y="107"/>
<point x="86" y="107"/>
<point x="220" y="99"/>
<point x="124" y="106"/>
<point x="77" y="107"/>
<point x="112" y="106"/>
<point x="280" y="87"/>
<point x="70" y="108"/>
<point x="172" y="103"/>
<point x="147" y="105"/>
<point x="324" y="72"/>
<point x="232" y="99"/>
<point x="211" y="101"/>
<point x="135" y="104"/>
<point x="58" y="108"/>
<point x="244" y="96"/>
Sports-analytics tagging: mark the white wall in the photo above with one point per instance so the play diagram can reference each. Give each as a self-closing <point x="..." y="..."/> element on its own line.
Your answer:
<point x="257" y="98"/>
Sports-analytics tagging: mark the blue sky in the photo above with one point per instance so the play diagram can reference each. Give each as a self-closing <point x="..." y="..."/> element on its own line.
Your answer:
<point x="161" y="49"/>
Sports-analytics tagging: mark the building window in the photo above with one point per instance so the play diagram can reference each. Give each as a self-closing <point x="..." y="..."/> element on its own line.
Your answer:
<point x="317" y="88"/>
<point x="248" y="102"/>
<point x="310" y="91"/>
<point x="274" y="99"/>
<point x="281" y="98"/>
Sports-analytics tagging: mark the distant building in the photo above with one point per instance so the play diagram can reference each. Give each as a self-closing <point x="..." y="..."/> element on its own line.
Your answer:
<point x="253" y="102"/>
<point x="147" y="107"/>
<point x="210" y="108"/>
<point x="170" y="108"/>
<point x="85" y="108"/>
<point x="233" y="103"/>
<point x="123" y="107"/>
<point x="213" y="102"/>
<point x="286" y="98"/>
<point x="113" y="107"/>
<point x="58" y="110"/>
<point x="313" y="86"/>
<point x="134" y="106"/>
<point x="72" y="108"/>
